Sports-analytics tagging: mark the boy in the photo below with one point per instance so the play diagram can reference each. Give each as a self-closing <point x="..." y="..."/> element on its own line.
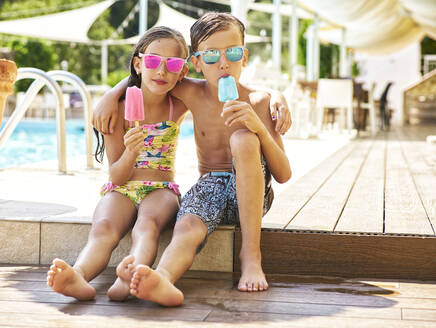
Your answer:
<point x="237" y="148"/>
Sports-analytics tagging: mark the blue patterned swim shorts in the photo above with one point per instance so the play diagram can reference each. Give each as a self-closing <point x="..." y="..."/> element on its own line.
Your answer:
<point x="213" y="198"/>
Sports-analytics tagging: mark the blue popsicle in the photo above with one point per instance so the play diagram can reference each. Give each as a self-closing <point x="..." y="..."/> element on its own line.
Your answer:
<point x="227" y="89"/>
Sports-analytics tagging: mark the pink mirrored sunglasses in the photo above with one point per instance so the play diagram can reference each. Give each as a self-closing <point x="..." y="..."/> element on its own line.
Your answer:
<point x="174" y="64"/>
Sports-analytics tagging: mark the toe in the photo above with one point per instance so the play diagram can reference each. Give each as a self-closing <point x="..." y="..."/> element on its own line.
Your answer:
<point x="60" y="264"/>
<point x="242" y="286"/>
<point x="130" y="259"/>
<point x="142" y="270"/>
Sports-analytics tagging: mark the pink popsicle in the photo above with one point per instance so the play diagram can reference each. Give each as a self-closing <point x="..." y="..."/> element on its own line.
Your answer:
<point x="134" y="105"/>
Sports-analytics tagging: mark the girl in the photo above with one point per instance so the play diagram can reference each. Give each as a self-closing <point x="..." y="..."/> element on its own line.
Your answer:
<point x="141" y="170"/>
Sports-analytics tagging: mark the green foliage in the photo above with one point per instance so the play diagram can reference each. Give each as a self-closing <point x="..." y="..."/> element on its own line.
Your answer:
<point x="428" y="47"/>
<point x="83" y="60"/>
<point x="31" y="53"/>
<point x="355" y="71"/>
<point x="101" y="28"/>
<point x="13" y="9"/>
<point x="116" y="76"/>
<point x="303" y="24"/>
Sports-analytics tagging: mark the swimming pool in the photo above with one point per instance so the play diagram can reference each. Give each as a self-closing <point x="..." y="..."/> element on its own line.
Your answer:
<point x="35" y="140"/>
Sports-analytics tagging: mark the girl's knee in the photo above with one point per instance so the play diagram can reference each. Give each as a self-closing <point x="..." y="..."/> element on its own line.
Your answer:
<point x="244" y="141"/>
<point x="106" y="230"/>
<point x="146" y="226"/>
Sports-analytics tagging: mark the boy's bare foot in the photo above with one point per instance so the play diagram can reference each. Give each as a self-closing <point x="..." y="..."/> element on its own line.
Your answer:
<point x="121" y="287"/>
<point x="63" y="279"/>
<point x="153" y="286"/>
<point x="252" y="277"/>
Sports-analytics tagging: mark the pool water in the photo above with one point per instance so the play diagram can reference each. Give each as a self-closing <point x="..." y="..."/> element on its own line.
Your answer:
<point x="35" y="140"/>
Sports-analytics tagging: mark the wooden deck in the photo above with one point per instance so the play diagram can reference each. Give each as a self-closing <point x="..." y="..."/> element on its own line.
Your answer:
<point x="368" y="210"/>
<point x="211" y="300"/>
<point x="383" y="185"/>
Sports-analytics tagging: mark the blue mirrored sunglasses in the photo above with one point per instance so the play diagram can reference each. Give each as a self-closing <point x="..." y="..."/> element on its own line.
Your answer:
<point x="212" y="56"/>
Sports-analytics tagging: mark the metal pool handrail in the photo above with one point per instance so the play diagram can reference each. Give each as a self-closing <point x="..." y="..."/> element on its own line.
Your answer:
<point x="41" y="79"/>
<point x="73" y="79"/>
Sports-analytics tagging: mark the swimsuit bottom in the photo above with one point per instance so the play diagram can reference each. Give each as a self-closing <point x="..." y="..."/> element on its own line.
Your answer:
<point x="137" y="190"/>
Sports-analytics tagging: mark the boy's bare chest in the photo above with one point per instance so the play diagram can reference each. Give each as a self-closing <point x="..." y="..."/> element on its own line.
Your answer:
<point x="209" y="123"/>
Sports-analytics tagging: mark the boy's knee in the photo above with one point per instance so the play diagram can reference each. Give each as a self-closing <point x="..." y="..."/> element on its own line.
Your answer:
<point x="191" y="228"/>
<point x="244" y="141"/>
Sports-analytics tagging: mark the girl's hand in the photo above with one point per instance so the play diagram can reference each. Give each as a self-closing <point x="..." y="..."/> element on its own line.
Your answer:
<point x="134" y="140"/>
<point x="241" y="112"/>
<point x="105" y="115"/>
<point x="280" y="112"/>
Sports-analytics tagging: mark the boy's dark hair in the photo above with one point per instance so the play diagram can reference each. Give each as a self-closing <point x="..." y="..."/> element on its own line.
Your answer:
<point x="211" y="23"/>
<point x="154" y="33"/>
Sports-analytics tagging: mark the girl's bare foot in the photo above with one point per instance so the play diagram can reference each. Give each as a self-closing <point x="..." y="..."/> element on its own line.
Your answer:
<point x="151" y="285"/>
<point x="63" y="279"/>
<point x="120" y="290"/>
<point x="252" y="277"/>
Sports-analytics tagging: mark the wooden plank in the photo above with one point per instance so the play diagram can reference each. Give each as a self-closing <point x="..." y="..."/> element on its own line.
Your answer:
<point x="346" y="255"/>
<point x="422" y="171"/>
<point x="309" y="289"/>
<point x="195" y="308"/>
<point x="369" y="296"/>
<point x="102" y="321"/>
<point x="295" y="289"/>
<point x="292" y="199"/>
<point x="282" y="320"/>
<point x="325" y="207"/>
<point x="363" y="211"/>
<point x="302" y="300"/>
<point x="419" y="314"/>
<point x="404" y="212"/>
<point x="306" y="309"/>
<point x="152" y="311"/>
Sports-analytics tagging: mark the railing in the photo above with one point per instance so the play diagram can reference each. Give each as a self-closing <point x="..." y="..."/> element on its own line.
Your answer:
<point x="49" y="79"/>
<point x="87" y="108"/>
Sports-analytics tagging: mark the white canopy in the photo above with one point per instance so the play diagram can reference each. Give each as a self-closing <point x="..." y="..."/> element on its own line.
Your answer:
<point x="182" y="23"/>
<point x="376" y="26"/>
<point x="171" y="18"/>
<point x="72" y="25"/>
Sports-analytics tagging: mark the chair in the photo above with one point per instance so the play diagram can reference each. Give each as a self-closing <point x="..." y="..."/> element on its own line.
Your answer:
<point x="385" y="114"/>
<point x="335" y="93"/>
<point x="300" y="106"/>
<point x="369" y="104"/>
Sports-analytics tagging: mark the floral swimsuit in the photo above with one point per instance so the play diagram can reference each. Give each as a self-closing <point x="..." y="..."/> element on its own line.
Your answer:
<point x="158" y="152"/>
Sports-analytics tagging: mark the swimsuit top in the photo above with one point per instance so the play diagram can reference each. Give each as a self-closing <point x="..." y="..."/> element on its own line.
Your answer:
<point x="160" y="142"/>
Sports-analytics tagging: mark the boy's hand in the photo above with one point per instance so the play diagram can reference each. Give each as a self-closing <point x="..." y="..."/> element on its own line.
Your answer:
<point x="280" y="112"/>
<point x="241" y="112"/>
<point x="134" y="140"/>
<point x="105" y="115"/>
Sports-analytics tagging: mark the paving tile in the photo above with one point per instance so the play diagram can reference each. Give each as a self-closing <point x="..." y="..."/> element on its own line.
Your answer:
<point x="19" y="242"/>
